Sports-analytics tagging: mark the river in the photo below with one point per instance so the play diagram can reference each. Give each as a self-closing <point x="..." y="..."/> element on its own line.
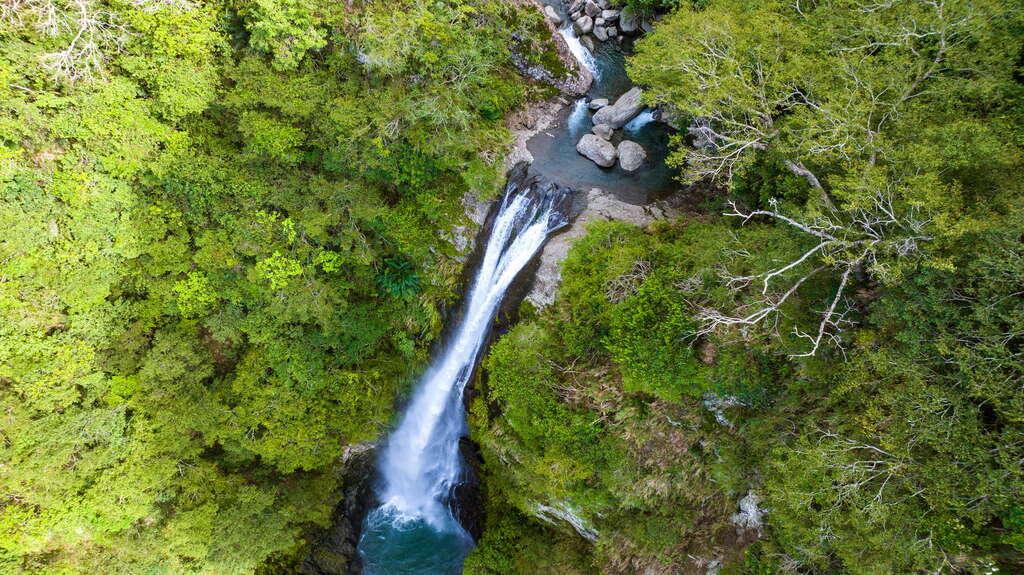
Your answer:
<point x="413" y="529"/>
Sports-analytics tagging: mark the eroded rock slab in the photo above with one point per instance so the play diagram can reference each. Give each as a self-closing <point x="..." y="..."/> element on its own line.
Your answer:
<point x="622" y="111"/>
<point x="596" y="204"/>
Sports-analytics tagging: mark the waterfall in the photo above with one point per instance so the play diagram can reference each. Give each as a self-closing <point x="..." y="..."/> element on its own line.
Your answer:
<point x="579" y="51"/>
<point x="579" y="119"/>
<point x="413" y="530"/>
<point x="638" y="123"/>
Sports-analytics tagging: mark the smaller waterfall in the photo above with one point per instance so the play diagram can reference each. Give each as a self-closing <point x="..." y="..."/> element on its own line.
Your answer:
<point x="579" y="119"/>
<point x="638" y="123"/>
<point x="579" y="51"/>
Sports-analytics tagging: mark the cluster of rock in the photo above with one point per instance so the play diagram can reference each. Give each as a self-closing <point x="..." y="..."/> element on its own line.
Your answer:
<point x="598" y="147"/>
<point x="598" y="20"/>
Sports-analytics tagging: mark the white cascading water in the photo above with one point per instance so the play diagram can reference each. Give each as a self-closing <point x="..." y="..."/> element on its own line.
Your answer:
<point x="579" y="51"/>
<point x="638" y="123"/>
<point x="421" y="463"/>
<point x="579" y="119"/>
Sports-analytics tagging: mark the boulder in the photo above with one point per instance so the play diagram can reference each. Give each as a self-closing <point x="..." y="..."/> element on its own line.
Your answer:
<point x="629" y="21"/>
<point x="610" y="15"/>
<point x="612" y="31"/>
<point x="598" y="21"/>
<point x="591" y="8"/>
<point x="598" y="103"/>
<point x="603" y="131"/>
<point x="600" y="33"/>
<point x="576" y="6"/>
<point x="583" y="25"/>
<point x="622" y="111"/>
<point x="604" y="4"/>
<point x="597" y="150"/>
<point x="588" y="43"/>
<point x="631" y="155"/>
<point x="552" y="15"/>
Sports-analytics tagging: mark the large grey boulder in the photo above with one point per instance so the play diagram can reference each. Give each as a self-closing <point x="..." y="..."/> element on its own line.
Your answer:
<point x="576" y="6"/>
<point x="629" y="21"/>
<point x="552" y="15"/>
<point x="598" y="103"/>
<point x="604" y="4"/>
<point x="610" y="15"/>
<point x="622" y="111"/>
<point x="583" y="25"/>
<point x="592" y="9"/>
<point x="631" y="155"/>
<point x="603" y="131"/>
<point x="588" y="43"/>
<point x="600" y="33"/>
<point x="597" y="150"/>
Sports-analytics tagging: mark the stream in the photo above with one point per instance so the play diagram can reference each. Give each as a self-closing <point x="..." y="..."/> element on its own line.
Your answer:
<point x="414" y="529"/>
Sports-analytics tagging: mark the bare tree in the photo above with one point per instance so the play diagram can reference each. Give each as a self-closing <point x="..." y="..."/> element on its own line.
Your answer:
<point x="840" y="247"/>
<point x="94" y="33"/>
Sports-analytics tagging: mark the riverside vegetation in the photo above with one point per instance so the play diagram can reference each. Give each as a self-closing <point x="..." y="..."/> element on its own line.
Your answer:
<point x="839" y="332"/>
<point x="227" y="233"/>
<point x="226" y="239"/>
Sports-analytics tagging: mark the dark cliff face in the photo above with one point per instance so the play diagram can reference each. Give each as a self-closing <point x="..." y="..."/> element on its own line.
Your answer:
<point x="334" y="553"/>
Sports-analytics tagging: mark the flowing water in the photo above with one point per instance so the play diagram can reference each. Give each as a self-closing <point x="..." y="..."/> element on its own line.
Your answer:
<point x="413" y="530"/>
<point x="554" y="150"/>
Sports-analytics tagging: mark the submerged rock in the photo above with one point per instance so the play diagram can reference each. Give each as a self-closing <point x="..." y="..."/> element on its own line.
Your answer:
<point x="597" y="150"/>
<point x="631" y="155"/>
<point x="603" y="131"/>
<point x="622" y="111"/>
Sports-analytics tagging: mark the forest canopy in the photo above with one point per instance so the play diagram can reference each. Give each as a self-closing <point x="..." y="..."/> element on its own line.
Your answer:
<point x="228" y="231"/>
<point x="834" y="337"/>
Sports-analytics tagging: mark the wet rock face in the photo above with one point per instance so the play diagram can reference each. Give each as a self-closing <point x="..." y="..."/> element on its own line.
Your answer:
<point x="467" y="503"/>
<point x="335" y="552"/>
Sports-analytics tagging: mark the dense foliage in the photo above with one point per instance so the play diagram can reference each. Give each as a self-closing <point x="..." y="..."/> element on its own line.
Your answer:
<point x="228" y="231"/>
<point x="840" y="333"/>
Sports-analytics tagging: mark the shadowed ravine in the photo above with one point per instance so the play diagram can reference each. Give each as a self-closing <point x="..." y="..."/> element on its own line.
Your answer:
<point x="413" y="529"/>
